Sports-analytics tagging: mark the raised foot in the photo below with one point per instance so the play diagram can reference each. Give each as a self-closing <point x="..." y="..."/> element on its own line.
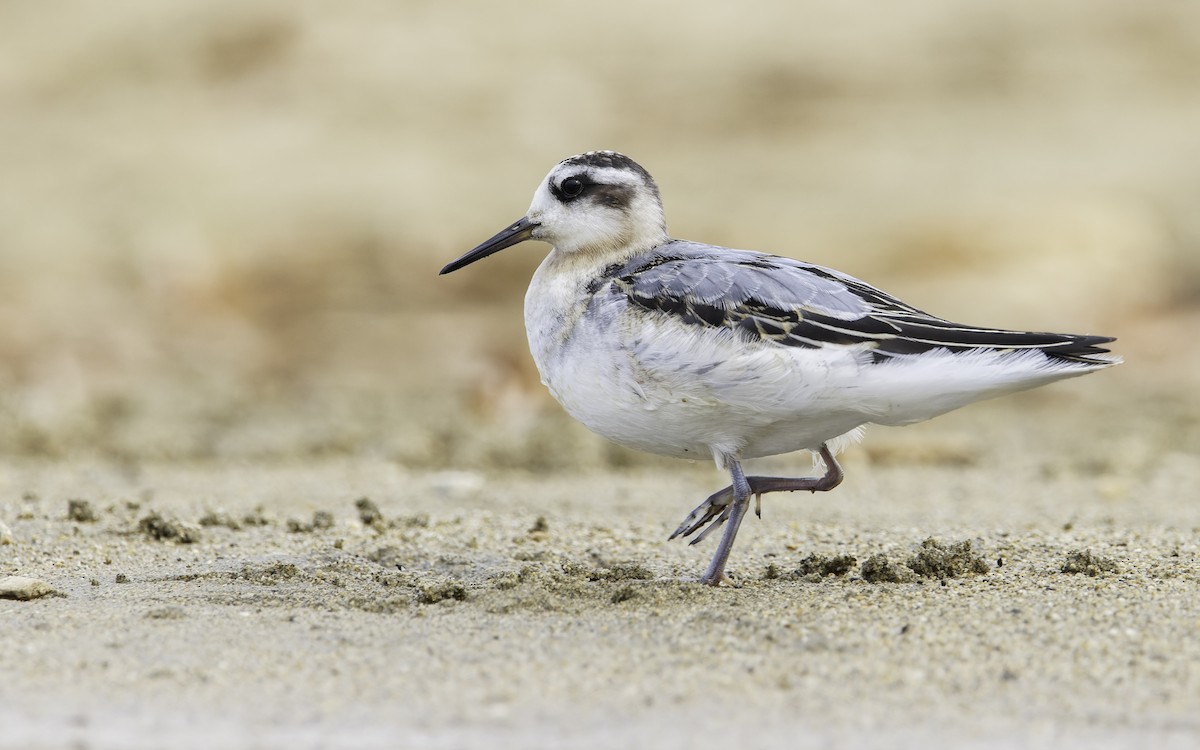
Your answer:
<point x="714" y="511"/>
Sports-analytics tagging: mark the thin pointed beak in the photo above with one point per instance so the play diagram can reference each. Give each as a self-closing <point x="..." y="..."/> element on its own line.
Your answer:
<point x="515" y="233"/>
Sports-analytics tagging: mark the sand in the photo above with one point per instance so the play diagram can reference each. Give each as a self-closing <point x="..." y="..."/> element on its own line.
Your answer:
<point x="266" y="480"/>
<point x="1046" y="597"/>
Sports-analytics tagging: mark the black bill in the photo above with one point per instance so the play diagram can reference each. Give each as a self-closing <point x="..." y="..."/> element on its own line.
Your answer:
<point x="511" y="235"/>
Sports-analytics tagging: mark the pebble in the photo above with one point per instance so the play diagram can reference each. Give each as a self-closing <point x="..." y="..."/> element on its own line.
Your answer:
<point x="23" y="589"/>
<point x="6" y="536"/>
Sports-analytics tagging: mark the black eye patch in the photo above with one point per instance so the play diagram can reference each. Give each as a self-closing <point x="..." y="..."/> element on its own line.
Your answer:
<point x="571" y="188"/>
<point x="580" y="185"/>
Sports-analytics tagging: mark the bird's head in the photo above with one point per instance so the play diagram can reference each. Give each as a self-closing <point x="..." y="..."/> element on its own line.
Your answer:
<point x="600" y="202"/>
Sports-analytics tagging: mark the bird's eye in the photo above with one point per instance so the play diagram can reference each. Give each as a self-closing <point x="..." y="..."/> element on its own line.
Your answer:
<point x="571" y="187"/>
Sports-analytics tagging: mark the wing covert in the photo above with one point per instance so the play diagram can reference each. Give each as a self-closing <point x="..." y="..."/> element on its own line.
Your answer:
<point x="790" y="303"/>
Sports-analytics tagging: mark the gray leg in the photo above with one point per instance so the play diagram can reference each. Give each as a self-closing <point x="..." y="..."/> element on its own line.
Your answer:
<point x="714" y="511"/>
<point x="735" y="511"/>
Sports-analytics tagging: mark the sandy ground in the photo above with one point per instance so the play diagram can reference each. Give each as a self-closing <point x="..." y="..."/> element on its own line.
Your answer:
<point x="246" y="606"/>
<point x="221" y="327"/>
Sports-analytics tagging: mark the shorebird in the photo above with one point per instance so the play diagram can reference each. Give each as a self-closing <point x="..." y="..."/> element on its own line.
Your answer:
<point x="691" y="350"/>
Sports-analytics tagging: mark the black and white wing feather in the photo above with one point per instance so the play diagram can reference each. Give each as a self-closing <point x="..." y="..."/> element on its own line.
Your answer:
<point x="791" y="303"/>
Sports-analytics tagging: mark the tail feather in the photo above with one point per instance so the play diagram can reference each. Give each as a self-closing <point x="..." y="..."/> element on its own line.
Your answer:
<point x="905" y="390"/>
<point x="1085" y="350"/>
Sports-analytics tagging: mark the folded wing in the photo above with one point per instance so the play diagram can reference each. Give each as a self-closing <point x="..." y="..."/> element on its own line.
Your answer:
<point x="790" y="303"/>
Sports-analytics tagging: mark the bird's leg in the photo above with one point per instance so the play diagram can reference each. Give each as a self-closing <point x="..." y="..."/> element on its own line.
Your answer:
<point x="735" y="511"/>
<point x="715" y="510"/>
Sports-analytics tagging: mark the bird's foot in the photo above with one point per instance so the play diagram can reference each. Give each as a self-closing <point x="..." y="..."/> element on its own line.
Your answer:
<point x="723" y="578"/>
<point x="713" y="513"/>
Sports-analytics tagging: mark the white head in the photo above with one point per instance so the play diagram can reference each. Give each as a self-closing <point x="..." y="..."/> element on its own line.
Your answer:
<point x="598" y="202"/>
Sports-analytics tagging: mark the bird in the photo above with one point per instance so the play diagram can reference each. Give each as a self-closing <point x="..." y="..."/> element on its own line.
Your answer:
<point x="696" y="351"/>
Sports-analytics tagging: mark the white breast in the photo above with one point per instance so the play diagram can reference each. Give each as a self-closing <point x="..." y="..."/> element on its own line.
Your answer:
<point x="652" y="383"/>
<point x="649" y="381"/>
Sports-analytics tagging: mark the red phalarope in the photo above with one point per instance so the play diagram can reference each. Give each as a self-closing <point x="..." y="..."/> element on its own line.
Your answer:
<point x="691" y="350"/>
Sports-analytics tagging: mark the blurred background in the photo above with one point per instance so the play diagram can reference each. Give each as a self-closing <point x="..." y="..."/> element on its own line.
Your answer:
<point x="221" y="222"/>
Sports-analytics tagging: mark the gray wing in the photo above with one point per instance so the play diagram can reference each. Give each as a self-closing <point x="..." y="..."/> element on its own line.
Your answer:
<point x="790" y="303"/>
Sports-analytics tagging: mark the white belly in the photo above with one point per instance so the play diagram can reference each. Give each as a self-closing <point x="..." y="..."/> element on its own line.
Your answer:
<point x="649" y="382"/>
<point x="688" y="416"/>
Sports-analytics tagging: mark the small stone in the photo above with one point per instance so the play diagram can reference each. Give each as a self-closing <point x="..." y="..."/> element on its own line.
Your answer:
<point x="622" y="571"/>
<point x="156" y="526"/>
<point x="322" y="519"/>
<point x="1083" y="561"/>
<point x="81" y="511"/>
<point x="368" y="512"/>
<point x="256" y="517"/>
<point x="878" y="569"/>
<point x="24" y="589"/>
<point x="220" y="518"/>
<point x="6" y="535"/>
<point x="268" y="575"/>
<point x="296" y="526"/>
<point x="936" y="560"/>
<point x="437" y="591"/>
<point x="815" y="567"/>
